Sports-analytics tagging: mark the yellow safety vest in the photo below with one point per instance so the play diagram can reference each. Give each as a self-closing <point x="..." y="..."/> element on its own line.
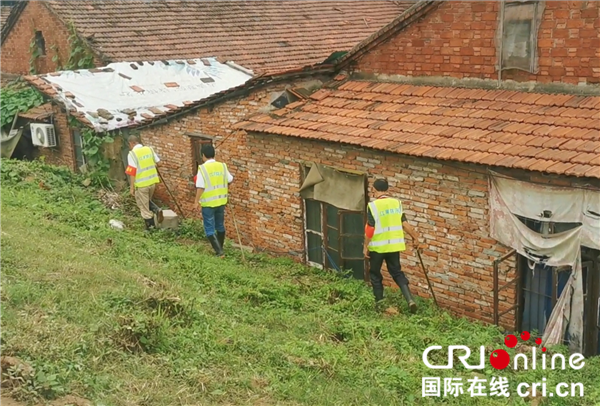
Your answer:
<point x="146" y="173"/>
<point x="215" y="184"/>
<point x="389" y="235"/>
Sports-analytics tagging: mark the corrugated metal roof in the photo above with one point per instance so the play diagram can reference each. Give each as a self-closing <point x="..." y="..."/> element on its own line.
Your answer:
<point x="128" y="93"/>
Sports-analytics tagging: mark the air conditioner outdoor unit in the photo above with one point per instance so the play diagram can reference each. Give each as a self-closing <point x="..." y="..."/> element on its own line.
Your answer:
<point x="43" y="135"/>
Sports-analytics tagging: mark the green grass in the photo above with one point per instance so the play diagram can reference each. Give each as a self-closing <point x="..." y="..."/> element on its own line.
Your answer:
<point x="124" y="318"/>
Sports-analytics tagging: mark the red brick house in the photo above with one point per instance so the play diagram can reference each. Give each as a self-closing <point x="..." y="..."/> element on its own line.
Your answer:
<point x="273" y="39"/>
<point x="451" y="101"/>
<point x="266" y="37"/>
<point x="470" y="113"/>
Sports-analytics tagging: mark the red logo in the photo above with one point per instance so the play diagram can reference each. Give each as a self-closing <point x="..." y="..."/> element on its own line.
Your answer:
<point x="500" y="359"/>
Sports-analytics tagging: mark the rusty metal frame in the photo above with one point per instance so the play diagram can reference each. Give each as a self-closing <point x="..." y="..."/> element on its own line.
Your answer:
<point x="320" y="234"/>
<point x="325" y="229"/>
<point x="591" y="300"/>
<point x="516" y="281"/>
<point x="342" y="234"/>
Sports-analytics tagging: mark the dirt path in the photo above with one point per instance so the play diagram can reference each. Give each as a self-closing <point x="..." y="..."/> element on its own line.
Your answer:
<point x="5" y="401"/>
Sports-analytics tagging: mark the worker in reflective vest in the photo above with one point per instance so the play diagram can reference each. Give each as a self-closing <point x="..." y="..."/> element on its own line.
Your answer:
<point x="384" y="232"/>
<point x="212" y="183"/>
<point x="143" y="178"/>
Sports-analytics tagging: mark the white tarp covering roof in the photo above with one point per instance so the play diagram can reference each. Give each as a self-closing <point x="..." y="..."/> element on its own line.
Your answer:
<point x="127" y="93"/>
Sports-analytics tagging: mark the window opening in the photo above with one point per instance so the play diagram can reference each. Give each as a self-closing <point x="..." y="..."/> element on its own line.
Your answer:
<point x="78" y="147"/>
<point x="198" y="141"/>
<point x="519" y="26"/>
<point x="284" y="99"/>
<point x="40" y="43"/>
<point x="334" y="236"/>
<point x="343" y="234"/>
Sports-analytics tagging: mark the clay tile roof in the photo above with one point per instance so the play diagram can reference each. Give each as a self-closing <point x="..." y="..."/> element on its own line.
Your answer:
<point x="4" y="12"/>
<point x="477" y="132"/>
<point x="38" y="113"/>
<point x="264" y="36"/>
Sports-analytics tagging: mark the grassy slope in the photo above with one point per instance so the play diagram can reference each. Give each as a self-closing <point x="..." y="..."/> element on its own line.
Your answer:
<point x="123" y="318"/>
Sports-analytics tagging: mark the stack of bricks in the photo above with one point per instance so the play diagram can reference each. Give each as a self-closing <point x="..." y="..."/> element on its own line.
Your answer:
<point x="458" y="39"/>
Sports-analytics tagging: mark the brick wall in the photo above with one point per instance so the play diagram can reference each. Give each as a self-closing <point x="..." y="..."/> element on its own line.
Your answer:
<point x="175" y="150"/>
<point x="64" y="153"/>
<point x="446" y="201"/>
<point x="458" y="40"/>
<point x="447" y="204"/>
<point x="16" y="52"/>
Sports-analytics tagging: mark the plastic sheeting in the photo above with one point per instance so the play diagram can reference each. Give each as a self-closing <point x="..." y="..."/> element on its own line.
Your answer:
<point x="509" y="198"/>
<point x="9" y="142"/>
<point x="142" y="87"/>
<point x="340" y="189"/>
<point x="566" y="205"/>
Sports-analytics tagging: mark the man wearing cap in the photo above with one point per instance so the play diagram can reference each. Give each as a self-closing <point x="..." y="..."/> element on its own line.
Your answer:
<point x="143" y="178"/>
<point x="384" y="240"/>
<point x="212" y="184"/>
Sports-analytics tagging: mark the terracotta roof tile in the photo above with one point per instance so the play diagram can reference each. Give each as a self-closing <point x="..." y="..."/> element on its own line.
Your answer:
<point x="578" y="170"/>
<point x="4" y="12"/>
<point x="259" y="35"/>
<point x="590" y="103"/>
<point x="37" y="113"/>
<point x="594" y="172"/>
<point x="575" y="101"/>
<point x="547" y="133"/>
<point x="560" y="167"/>
<point x="541" y="165"/>
<point x="525" y="163"/>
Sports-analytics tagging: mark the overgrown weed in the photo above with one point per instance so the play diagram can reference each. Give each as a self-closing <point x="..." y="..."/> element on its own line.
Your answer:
<point x="126" y="318"/>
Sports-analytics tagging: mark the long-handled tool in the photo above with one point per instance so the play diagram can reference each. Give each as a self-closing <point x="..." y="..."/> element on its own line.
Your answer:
<point x="427" y="277"/>
<point x="170" y="194"/>
<point x="238" y="234"/>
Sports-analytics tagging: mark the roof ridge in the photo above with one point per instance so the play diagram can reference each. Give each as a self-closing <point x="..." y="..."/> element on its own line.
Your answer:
<point x="12" y="18"/>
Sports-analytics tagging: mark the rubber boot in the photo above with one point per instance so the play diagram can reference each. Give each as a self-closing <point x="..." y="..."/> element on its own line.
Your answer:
<point x="221" y="238"/>
<point x="215" y="244"/>
<point x="155" y="209"/>
<point x="378" y="292"/>
<point x="406" y="293"/>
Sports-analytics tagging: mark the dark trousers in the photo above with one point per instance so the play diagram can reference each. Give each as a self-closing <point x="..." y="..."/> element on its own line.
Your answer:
<point x="392" y="260"/>
<point x="213" y="219"/>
